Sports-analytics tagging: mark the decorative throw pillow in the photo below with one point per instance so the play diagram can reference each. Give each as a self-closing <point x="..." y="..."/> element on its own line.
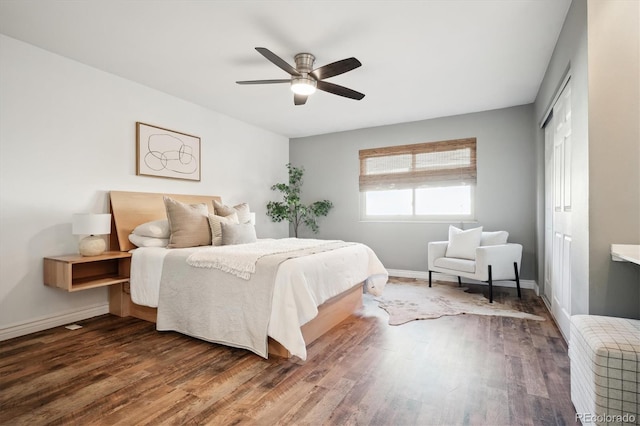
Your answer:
<point x="238" y="233"/>
<point x="154" y="229"/>
<point x="242" y="210"/>
<point x="463" y="244"/>
<point x="494" y="238"/>
<point x="215" y="223"/>
<point x="140" y="241"/>
<point x="188" y="224"/>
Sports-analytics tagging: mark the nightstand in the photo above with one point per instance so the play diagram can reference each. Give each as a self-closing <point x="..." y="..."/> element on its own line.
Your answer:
<point x="74" y="272"/>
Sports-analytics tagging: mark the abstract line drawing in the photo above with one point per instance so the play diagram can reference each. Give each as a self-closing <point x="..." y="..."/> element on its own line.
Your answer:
<point x="167" y="153"/>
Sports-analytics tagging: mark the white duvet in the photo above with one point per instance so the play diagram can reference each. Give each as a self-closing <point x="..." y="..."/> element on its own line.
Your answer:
<point x="302" y="284"/>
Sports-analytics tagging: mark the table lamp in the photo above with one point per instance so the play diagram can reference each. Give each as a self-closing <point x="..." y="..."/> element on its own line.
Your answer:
<point x="92" y="225"/>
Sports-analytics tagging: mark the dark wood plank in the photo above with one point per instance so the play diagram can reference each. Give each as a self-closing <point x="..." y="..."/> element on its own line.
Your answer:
<point x="465" y="369"/>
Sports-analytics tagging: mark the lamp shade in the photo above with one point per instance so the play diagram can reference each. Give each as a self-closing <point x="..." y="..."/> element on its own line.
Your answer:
<point x="91" y="224"/>
<point x="303" y="85"/>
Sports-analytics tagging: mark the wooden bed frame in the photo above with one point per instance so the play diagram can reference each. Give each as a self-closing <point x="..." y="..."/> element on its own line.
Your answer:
<point x="130" y="209"/>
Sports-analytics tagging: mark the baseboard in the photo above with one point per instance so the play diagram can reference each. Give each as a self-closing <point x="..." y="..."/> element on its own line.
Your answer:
<point x="423" y="275"/>
<point x="45" y="323"/>
<point x="40" y="324"/>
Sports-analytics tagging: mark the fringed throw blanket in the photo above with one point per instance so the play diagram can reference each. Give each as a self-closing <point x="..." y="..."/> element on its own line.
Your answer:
<point x="241" y="259"/>
<point x="219" y="307"/>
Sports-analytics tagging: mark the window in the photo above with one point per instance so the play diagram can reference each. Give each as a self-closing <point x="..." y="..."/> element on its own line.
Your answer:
<point x="425" y="181"/>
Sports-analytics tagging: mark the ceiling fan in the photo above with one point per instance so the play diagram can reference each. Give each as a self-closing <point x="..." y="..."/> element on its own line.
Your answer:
<point x="305" y="80"/>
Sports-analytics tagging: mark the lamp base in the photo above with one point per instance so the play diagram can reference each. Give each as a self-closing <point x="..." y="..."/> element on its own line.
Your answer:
<point x="92" y="245"/>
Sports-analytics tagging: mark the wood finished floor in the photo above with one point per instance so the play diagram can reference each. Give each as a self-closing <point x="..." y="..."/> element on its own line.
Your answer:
<point x="458" y="370"/>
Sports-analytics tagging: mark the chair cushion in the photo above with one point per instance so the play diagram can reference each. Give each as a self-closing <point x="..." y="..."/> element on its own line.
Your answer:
<point x="463" y="244"/>
<point x="494" y="238"/>
<point x="462" y="265"/>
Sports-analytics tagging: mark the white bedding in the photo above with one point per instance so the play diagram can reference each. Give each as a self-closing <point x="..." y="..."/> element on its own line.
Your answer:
<point x="241" y="259"/>
<point x="302" y="284"/>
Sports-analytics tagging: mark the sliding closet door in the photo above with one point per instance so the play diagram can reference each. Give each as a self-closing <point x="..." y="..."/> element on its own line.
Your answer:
<point x="561" y="235"/>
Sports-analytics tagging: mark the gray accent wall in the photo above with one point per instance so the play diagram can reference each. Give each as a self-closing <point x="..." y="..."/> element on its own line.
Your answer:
<point x="505" y="193"/>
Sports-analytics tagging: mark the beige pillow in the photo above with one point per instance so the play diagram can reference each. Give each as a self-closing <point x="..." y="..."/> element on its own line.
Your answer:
<point x="242" y="210"/>
<point x="215" y="223"/>
<point x="188" y="224"/>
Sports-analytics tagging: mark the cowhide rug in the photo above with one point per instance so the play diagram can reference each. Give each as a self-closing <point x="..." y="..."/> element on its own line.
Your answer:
<point x="407" y="301"/>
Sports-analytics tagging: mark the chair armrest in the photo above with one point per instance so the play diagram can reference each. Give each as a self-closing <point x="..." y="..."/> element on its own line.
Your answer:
<point x="501" y="258"/>
<point x="436" y="250"/>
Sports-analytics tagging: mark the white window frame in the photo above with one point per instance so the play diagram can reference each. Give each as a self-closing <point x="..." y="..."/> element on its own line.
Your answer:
<point x="471" y="217"/>
<point x="460" y="176"/>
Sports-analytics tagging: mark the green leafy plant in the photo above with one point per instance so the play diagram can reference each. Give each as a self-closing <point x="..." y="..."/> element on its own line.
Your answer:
<point x="292" y="209"/>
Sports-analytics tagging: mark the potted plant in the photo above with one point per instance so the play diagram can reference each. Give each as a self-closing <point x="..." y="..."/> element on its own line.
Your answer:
<point x="292" y="209"/>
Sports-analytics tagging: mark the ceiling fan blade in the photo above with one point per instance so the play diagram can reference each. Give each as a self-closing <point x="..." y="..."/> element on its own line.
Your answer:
<point x="339" y="90"/>
<point x="299" y="99"/>
<point x="277" y="60"/>
<point x="264" y="81"/>
<point x="336" y="68"/>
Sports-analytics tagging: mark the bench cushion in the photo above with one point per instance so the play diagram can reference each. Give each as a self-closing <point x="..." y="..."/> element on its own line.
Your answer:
<point x="605" y="365"/>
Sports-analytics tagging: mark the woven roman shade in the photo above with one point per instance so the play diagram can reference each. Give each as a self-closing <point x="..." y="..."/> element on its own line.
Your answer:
<point x="441" y="163"/>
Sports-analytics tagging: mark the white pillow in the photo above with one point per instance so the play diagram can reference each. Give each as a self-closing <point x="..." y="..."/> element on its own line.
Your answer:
<point x="155" y="229"/>
<point x="494" y="238"/>
<point x="140" y="241"/>
<point x="463" y="244"/>
<point x="242" y="233"/>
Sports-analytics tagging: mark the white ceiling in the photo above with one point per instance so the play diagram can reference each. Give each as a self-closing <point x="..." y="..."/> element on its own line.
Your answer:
<point x="421" y="59"/>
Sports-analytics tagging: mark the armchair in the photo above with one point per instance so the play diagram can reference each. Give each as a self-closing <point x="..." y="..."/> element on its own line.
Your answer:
<point x="482" y="256"/>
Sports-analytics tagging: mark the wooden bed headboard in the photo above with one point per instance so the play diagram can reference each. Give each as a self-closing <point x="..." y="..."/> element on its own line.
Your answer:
<point x="130" y="209"/>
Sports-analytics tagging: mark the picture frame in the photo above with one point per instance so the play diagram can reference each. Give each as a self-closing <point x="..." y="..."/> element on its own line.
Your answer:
<point x="166" y="153"/>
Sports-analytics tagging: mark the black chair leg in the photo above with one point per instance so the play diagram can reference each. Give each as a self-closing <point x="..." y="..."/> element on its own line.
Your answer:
<point x="429" y="278"/>
<point x="515" y="268"/>
<point x="490" y="286"/>
<point x="459" y="282"/>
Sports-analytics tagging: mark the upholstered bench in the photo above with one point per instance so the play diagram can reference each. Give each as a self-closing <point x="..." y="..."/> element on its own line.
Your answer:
<point x="605" y="369"/>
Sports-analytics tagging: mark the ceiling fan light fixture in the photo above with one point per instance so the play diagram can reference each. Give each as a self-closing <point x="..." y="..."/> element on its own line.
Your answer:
<point x="305" y="79"/>
<point x="303" y="85"/>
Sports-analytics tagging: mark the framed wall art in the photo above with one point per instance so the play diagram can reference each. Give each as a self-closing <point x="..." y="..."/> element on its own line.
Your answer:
<point x="166" y="153"/>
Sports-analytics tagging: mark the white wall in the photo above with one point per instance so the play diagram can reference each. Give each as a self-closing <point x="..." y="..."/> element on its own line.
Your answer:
<point x="67" y="137"/>
<point x="505" y="193"/>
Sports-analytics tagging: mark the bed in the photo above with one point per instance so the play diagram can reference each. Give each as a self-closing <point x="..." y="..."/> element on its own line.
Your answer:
<point x="303" y="306"/>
